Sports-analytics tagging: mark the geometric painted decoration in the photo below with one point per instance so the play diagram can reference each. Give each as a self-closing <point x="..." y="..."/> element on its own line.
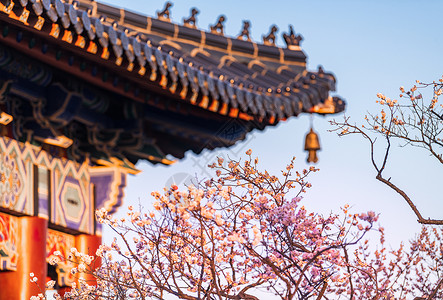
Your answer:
<point x="59" y="241"/>
<point x="72" y="201"/>
<point x="62" y="187"/>
<point x="15" y="179"/>
<point x="8" y="243"/>
<point x="109" y="183"/>
<point x="35" y="183"/>
<point x="12" y="180"/>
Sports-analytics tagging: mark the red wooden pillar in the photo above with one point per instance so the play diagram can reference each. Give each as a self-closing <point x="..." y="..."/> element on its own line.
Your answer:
<point x="88" y="244"/>
<point x="31" y="250"/>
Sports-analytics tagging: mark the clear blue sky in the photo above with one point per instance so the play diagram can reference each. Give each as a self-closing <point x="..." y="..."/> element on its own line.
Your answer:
<point x="371" y="46"/>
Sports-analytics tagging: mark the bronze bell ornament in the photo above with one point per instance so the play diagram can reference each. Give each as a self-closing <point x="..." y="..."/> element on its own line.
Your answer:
<point x="312" y="144"/>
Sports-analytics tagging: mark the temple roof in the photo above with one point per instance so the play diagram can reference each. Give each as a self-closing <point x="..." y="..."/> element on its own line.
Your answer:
<point x="141" y="87"/>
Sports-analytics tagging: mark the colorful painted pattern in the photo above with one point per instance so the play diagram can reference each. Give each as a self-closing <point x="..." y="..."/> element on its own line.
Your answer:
<point x="64" y="188"/>
<point x="15" y="177"/>
<point x="69" y="188"/>
<point x="72" y="197"/>
<point x="11" y="180"/>
<point x="8" y="242"/>
<point x="58" y="241"/>
<point x="109" y="184"/>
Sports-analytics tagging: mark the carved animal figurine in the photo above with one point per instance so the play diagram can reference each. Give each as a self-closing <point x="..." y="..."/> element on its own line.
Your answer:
<point x="270" y="38"/>
<point x="292" y="40"/>
<point x="192" y="20"/>
<point x="245" y="31"/>
<point x="165" y="13"/>
<point x="218" y="27"/>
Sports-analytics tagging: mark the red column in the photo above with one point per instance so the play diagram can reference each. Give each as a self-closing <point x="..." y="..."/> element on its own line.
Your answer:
<point x="31" y="259"/>
<point x="88" y="244"/>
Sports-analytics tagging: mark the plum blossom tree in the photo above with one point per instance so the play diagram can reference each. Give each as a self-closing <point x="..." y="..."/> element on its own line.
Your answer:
<point x="413" y="121"/>
<point x="245" y="233"/>
<point x="417" y="122"/>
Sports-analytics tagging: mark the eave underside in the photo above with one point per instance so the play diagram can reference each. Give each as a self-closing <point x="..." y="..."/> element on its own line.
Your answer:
<point x="115" y="101"/>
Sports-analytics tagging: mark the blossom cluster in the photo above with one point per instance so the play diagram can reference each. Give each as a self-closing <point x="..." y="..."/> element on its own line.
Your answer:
<point x="225" y="237"/>
<point x="415" y="119"/>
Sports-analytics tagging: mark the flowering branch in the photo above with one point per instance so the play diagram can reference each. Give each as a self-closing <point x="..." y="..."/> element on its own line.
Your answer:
<point x="246" y="231"/>
<point x="412" y="121"/>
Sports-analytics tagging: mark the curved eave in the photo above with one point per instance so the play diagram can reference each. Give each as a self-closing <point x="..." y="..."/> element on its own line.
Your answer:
<point x="151" y="68"/>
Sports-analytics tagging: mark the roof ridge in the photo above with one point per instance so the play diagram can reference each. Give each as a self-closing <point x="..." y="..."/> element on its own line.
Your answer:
<point x="121" y="15"/>
<point x="104" y="31"/>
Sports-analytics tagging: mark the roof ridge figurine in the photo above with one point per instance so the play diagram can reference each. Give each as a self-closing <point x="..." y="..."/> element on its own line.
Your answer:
<point x="192" y="20"/>
<point x="218" y="27"/>
<point x="270" y="38"/>
<point x="292" y="41"/>
<point x="245" y="31"/>
<point x="165" y="14"/>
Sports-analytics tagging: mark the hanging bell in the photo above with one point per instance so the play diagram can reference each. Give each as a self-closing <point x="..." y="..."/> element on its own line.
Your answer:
<point x="312" y="144"/>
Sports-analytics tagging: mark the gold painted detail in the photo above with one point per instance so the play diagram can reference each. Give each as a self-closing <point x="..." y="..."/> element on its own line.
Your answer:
<point x="67" y="36"/>
<point x="173" y="87"/>
<point x="126" y="165"/>
<point x="204" y="102"/>
<point x="118" y="61"/>
<point x="5" y="118"/>
<point x="11" y="181"/>
<point x="58" y="247"/>
<point x="327" y="107"/>
<point x="92" y="48"/>
<point x="224" y="109"/>
<point x="142" y="71"/>
<point x="81" y="42"/>
<point x="184" y="92"/>
<point x="245" y="116"/>
<point x="8" y="243"/>
<point x="233" y="112"/>
<point x="7" y="9"/>
<point x="153" y="76"/>
<point x="59" y="141"/>
<point x="272" y="120"/>
<point x="39" y="24"/>
<point x="55" y="31"/>
<point x="193" y="99"/>
<point x="24" y="16"/>
<point x="105" y="54"/>
<point x="164" y="81"/>
<point x="214" y="106"/>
